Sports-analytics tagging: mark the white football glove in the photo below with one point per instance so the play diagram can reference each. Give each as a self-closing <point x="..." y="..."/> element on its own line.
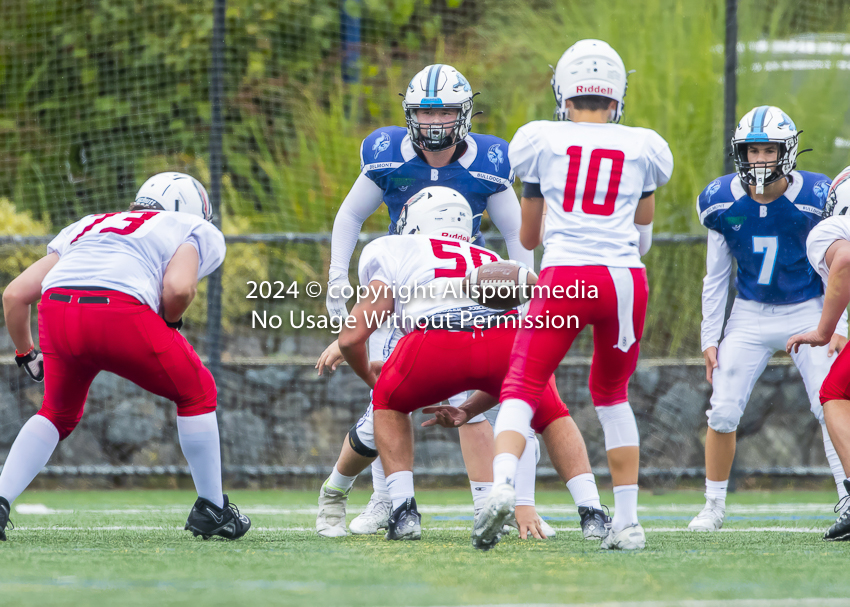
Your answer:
<point x="336" y="305"/>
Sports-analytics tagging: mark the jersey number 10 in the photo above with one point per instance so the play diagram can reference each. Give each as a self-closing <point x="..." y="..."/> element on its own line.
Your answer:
<point x="587" y="202"/>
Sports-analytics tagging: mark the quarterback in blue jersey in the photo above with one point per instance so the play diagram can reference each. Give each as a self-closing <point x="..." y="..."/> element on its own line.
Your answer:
<point x="436" y="149"/>
<point x="760" y="216"/>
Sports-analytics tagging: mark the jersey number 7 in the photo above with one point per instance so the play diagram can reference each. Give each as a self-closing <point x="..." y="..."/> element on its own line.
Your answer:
<point x="574" y="153"/>
<point x="768" y="246"/>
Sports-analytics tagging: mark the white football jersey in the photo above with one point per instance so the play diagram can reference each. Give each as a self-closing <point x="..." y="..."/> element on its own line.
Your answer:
<point x="425" y="274"/>
<point x="129" y="251"/>
<point x="821" y="238"/>
<point x="592" y="177"/>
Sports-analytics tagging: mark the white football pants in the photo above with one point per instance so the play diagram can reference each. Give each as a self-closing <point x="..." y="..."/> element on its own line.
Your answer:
<point x="753" y="334"/>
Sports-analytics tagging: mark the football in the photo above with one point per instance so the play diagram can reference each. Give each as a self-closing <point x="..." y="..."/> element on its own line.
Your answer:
<point x="501" y="285"/>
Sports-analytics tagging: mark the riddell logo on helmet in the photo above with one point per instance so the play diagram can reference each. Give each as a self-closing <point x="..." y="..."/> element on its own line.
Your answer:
<point x="455" y="236"/>
<point x="595" y="90"/>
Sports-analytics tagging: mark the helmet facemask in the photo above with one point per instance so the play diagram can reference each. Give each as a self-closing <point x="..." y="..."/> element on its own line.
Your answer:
<point x="438" y="136"/>
<point x="761" y="174"/>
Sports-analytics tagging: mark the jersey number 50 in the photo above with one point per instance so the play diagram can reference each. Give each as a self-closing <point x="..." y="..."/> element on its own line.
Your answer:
<point x="587" y="201"/>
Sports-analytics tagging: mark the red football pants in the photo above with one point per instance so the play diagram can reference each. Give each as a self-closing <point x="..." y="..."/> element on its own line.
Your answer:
<point x="836" y="385"/>
<point x="427" y="367"/>
<point x="538" y="351"/>
<point x="124" y="337"/>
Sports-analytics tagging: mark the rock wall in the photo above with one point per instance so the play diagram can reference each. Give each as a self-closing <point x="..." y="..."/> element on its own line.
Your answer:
<point x="285" y="415"/>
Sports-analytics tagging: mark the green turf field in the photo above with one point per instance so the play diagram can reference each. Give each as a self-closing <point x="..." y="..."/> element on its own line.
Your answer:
<point x="129" y="548"/>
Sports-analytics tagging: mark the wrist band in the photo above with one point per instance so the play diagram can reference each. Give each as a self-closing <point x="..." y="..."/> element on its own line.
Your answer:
<point x="32" y="347"/>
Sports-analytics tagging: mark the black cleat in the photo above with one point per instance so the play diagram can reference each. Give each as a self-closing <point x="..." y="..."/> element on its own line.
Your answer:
<point x="206" y="519"/>
<point x="594" y="523"/>
<point x="840" y="530"/>
<point x="405" y="522"/>
<point x="5" y="510"/>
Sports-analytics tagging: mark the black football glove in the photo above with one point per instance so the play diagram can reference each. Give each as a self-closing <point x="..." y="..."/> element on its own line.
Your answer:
<point x="175" y="325"/>
<point x="33" y="364"/>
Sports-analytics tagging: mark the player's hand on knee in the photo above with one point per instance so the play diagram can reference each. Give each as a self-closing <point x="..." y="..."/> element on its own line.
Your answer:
<point x="445" y="416"/>
<point x="33" y="364"/>
<point x="331" y="357"/>
<point x="837" y="343"/>
<point x="529" y="523"/>
<point x="710" y="356"/>
<point x="811" y="338"/>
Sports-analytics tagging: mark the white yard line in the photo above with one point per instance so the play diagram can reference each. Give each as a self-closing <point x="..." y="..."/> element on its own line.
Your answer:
<point x="732" y="510"/>
<point x="453" y="528"/>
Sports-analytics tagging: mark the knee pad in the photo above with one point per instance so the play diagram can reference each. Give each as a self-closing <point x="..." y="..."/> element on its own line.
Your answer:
<point x="515" y="415"/>
<point x="64" y="424"/>
<point x="723" y="419"/>
<point x="619" y="426"/>
<point x="359" y="447"/>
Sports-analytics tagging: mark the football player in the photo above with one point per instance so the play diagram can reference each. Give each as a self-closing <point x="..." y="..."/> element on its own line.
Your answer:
<point x="113" y="290"/>
<point x="597" y="180"/>
<point x="760" y="216"/>
<point x="436" y="148"/>
<point x="828" y="250"/>
<point x="444" y="350"/>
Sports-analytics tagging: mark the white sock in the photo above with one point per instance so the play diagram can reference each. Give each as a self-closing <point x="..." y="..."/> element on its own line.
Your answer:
<point x="526" y="474"/>
<point x="340" y="481"/>
<point x="625" y="507"/>
<point x="584" y="491"/>
<point x="834" y="463"/>
<point x="480" y="491"/>
<point x="716" y="490"/>
<point x="400" y="487"/>
<point x="29" y="454"/>
<point x="199" y="441"/>
<point x="504" y="468"/>
<point x="379" y="481"/>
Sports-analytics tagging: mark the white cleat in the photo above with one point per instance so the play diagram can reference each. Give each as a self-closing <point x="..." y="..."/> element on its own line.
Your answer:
<point x="376" y="516"/>
<point x="498" y="510"/>
<point x="630" y="538"/>
<point x="331" y="519"/>
<point x="710" y="518"/>
<point x="547" y="529"/>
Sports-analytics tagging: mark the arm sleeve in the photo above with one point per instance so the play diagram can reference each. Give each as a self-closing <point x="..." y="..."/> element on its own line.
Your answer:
<point x="715" y="288"/>
<point x="524" y="158"/>
<point x="364" y="199"/>
<point x="503" y="208"/>
<point x="659" y="167"/>
<point x="209" y="242"/>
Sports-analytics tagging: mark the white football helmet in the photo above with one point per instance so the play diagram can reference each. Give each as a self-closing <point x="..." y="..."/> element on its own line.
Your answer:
<point x="438" y="86"/>
<point x="589" y="67"/>
<point x="838" y="198"/>
<point x="765" y="124"/>
<point x="436" y="211"/>
<point x="175" y="192"/>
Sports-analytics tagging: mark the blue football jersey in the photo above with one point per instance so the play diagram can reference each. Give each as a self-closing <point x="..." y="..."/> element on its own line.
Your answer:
<point x="388" y="158"/>
<point x="768" y="240"/>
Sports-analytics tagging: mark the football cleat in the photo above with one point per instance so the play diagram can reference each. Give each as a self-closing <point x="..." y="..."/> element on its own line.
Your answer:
<point x="375" y="516"/>
<point x="594" y="523"/>
<point x="710" y="517"/>
<point x="330" y="521"/>
<point x="405" y="522"/>
<point x="498" y="510"/>
<point x="5" y="511"/>
<point x="206" y="519"/>
<point x="630" y="538"/>
<point x="840" y="529"/>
